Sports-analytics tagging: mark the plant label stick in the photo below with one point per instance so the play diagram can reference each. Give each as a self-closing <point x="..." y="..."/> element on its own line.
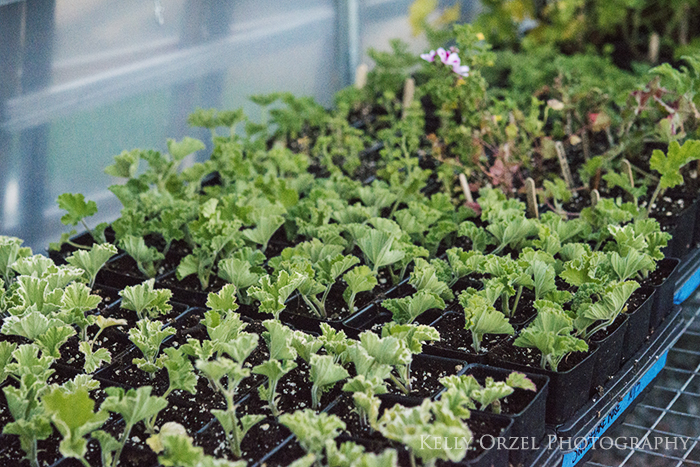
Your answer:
<point x="627" y="169"/>
<point x="595" y="197"/>
<point x="531" y="198"/>
<point x="409" y="90"/>
<point x="654" y="43"/>
<point x="361" y="75"/>
<point x="465" y="188"/>
<point x="565" y="170"/>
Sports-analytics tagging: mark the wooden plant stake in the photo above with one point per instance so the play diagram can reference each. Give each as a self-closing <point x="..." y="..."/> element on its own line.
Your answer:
<point x="531" y="198"/>
<point x="361" y="75"/>
<point x="465" y="188"/>
<point x="565" y="170"/>
<point x="595" y="197"/>
<point x="654" y="43"/>
<point x="627" y="169"/>
<point x="586" y="145"/>
<point x="409" y="91"/>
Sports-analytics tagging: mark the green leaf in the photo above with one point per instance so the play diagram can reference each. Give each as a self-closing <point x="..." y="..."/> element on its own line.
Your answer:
<point x="306" y="345"/>
<point x="223" y="301"/>
<point x="77" y="208"/>
<point x="272" y="297"/>
<point x="148" y="337"/>
<point x="324" y="373"/>
<point x="358" y="279"/>
<point x="146" y="301"/>
<point x="125" y="164"/>
<point x="312" y="429"/>
<point x="482" y="318"/>
<point x="93" y="360"/>
<point x="146" y="257"/>
<point x="264" y="229"/>
<point x="6" y="350"/>
<point x="424" y="278"/>
<point x="239" y="272"/>
<point x="278" y="338"/>
<point x="134" y="405"/>
<point x="519" y="380"/>
<point x="73" y="415"/>
<point x="92" y="261"/>
<point x="406" y="310"/>
<point x="180" y="371"/>
<point x="669" y="166"/>
<point x="182" y="149"/>
<point x="377" y="248"/>
<point x="52" y="340"/>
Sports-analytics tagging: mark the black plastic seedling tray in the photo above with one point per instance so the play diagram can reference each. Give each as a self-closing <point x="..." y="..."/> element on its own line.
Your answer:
<point x="570" y="443"/>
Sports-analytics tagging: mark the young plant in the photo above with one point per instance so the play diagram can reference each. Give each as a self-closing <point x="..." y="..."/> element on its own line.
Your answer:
<point x="72" y="413"/>
<point x="506" y="274"/>
<point x="148" y="336"/>
<point x="134" y="406"/>
<point x="358" y="279"/>
<point x="272" y="296"/>
<point x="428" y="421"/>
<point x="265" y="228"/>
<point x="175" y="448"/>
<point x="313" y="429"/>
<point x="226" y="375"/>
<point x="411" y="337"/>
<point x="95" y="358"/>
<point x="324" y="373"/>
<point x="425" y="278"/>
<point x="482" y="318"/>
<point x="31" y="422"/>
<point x="550" y="333"/>
<point x="364" y="395"/>
<point x="147" y="258"/>
<point x="489" y="395"/>
<point x="11" y="250"/>
<point x="242" y="274"/>
<point x="669" y="166"/>
<point x="377" y="247"/>
<point x="48" y="334"/>
<point x="278" y="338"/>
<point x="214" y="237"/>
<point x="77" y="209"/>
<point x="145" y="301"/>
<point x="406" y="310"/>
<point x="92" y="261"/>
<point x="611" y="302"/>
<point x="379" y="354"/>
<point x="460" y="264"/>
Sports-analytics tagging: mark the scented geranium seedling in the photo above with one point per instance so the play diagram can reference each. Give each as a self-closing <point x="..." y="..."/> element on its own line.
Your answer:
<point x="431" y="421"/>
<point x="278" y="338"/>
<point x="405" y="310"/>
<point x="93" y="260"/>
<point x="11" y="250"/>
<point x="146" y="301"/>
<point x="669" y="166"/>
<point x="482" y="318"/>
<point x="175" y="448"/>
<point x="551" y="334"/>
<point x="378" y="249"/>
<point x="358" y="279"/>
<point x="364" y="395"/>
<point x="243" y="270"/>
<point x="489" y="395"/>
<point x="424" y="277"/>
<point x="77" y="209"/>
<point x="226" y="375"/>
<point x="265" y="228"/>
<point x="313" y="429"/>
<point x="148" y="336"/>
<point x="324" y="373"/>
<point x="147" y="258"/>
<point x="610" y="301"/>
<point x="273" y="293"/>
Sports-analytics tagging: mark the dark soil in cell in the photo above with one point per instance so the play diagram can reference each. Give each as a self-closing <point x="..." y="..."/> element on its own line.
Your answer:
<point x="260" y="440"/>
<point x="637" y="299"/>
<point x="454" y="336"/>
<point x="336" y="307"/>
<point x="191" y="283"/>
<point x="113" y="340"/>
<point x="425" y="375"/>
<point x="603" y="333"/>
<point x="657" y="277"/>
<point x="525" y="311"/>
<point x="531" y="357"/>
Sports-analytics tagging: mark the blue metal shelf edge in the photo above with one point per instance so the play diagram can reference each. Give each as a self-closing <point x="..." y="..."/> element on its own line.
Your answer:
<point x="688" y="276"/>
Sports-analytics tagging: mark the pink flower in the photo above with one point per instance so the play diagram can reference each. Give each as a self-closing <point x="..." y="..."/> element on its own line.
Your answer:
<point x="429" y="57"/>
<point x="449" y="58"/>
